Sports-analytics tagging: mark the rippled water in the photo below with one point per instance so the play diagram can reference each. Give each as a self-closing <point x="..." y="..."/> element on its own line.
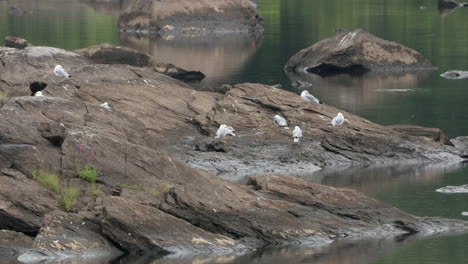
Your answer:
<point x="291" y="25"/>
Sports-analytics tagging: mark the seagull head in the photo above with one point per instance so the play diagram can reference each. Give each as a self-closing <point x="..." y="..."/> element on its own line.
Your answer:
<point x="340" y="115"/>
<point x="304" y="93"/>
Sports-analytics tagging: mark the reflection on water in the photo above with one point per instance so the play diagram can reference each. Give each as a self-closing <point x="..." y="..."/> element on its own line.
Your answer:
<point x="374" y="179"/>
<point x="219" y="57"/>
<point x="354" y="92"/>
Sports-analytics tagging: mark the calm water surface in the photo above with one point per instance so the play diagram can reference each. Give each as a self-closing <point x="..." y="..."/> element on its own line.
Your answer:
<point x="291" y="25"/>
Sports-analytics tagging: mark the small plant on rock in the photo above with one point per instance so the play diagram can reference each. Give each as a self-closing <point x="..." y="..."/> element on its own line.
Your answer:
<point x="95" y="190"/>
<point x="48" y="179"/>
<point x="152" y="191"/>
<point x="3" y="95"/>
<point x="166" y="188"/>
<point x="89" y="173"/>
<point x="69" y="197"/>
<point x="132" y="187"/>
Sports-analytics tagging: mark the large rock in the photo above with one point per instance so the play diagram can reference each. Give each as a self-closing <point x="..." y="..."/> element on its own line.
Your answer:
<point x="190" y="17"/>
<point x="153" y="123"/>
<point x="110" y="54"/>
<point x="68" y="235"/>
<point x="23" y="201"/>
<point x="357" y="52"/>
<point x="13" y="244"/>
<point x="141" y="229"/>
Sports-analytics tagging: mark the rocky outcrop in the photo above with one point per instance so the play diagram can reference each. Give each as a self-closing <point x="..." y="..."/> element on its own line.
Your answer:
<point x="190" y="17"/>
<point x="357" y="52"/>
<point x="23" y="201"/>
<point x="15" y="42"/>
<point x="157" y="233"/>
<point x="69" y="235"/>
<point x="435" y="134"/>
<point x="110" y="54"/>
<point x="13" y="244"/>
<point x="144" y="142"/>
<point x="461" y="143"/>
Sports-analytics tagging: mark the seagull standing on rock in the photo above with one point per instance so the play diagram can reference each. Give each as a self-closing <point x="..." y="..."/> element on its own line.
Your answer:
<point x="224" y="130"/>
<point x="59" y="71"/>
<point x="280" y="121"/>
<point x="39" y="93"/>
<point x="297" y="134"/>
<point x="306" y="96"/>
<point x="105" y="105"/>
<point x="338" y="120"/>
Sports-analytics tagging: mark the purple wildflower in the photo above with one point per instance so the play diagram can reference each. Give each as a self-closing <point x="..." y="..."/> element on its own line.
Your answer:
<point x="79" y="148"/>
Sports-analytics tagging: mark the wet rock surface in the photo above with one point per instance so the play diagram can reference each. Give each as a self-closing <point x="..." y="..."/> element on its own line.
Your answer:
<point x="147" y="137"/>
<point x="357" y="52"/>
<point x="455" y="75"/>
<point x="454" y="189"/>
<point x="168" y="17"/>
<point x="13" y="244"/>
<point x="69" y="235"/>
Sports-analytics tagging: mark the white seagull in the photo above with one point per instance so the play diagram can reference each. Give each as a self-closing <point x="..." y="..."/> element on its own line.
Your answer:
<point x="306" y="96"/>
<point x="280" y="121"/>
<point x="105" y="105"/>
<point x="224" y="130"/>
<point x="297" y="134"/>
<point x="338" y="120"/>
<point x="59" y="71"/>
<point x="39" y="93"/>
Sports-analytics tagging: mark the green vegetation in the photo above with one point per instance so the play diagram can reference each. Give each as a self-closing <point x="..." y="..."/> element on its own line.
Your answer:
<point x="48" y="179"/>
<point x="152" y="191"/>
<point x="166" y="188"/>
<point x="3" y="95"/>
<point x="89" y="173"/>
<point x="69" y="197"/>
<point x="95" y="190"/>
<point x="132" y="187"/>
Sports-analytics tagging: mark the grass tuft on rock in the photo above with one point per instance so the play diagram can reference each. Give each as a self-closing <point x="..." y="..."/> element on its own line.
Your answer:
<point x="95" y="190"/>
<point x="152" y="191"/>
<point x="132" y="187"/>
<point x="69" y="197"/>
<point x="3" y="95"/>
<point x="89" y="173"/>
<point x="48" y="179"/>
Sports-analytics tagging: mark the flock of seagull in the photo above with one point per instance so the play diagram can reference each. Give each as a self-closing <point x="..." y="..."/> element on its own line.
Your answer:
<point x="225" y="130"/>
<point x="338" y="120"/>
<point x="59" y="71"/>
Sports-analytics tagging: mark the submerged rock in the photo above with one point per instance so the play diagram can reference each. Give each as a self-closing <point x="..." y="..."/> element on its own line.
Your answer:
<point x="357" y="52"/>
<point x="173" y="17"/>
<point x="455" y="75"/>
<point x="454" y="189"/>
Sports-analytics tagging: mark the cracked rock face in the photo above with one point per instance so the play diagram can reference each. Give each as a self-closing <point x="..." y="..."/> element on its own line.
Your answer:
<point x="355" y="53"/>
<point x="145" y="141"/>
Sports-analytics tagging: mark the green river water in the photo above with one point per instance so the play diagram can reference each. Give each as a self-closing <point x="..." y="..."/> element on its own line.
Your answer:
<point x="291" y="25"/>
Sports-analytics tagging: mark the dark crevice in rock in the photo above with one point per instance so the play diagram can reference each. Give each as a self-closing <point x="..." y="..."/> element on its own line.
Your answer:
<point x="36" y="87"/>
<point x="326" y="69"/>
<point x="405" y="227"/>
